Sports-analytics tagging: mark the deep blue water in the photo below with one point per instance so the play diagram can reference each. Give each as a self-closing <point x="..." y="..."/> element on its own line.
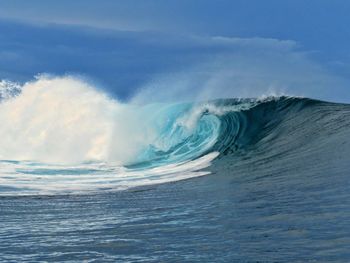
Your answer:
<point x="278" y="192"/>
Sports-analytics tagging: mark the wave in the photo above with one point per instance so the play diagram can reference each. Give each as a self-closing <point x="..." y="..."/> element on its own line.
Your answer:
<point x="60" y="135"/>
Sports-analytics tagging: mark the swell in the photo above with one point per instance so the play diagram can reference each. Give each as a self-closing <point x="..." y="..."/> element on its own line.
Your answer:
<point x="116" y="146"/>
<point x="286" y="136"/>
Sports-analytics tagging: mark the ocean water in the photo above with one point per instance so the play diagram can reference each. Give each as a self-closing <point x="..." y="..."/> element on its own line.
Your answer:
<point x="232" y="180"/>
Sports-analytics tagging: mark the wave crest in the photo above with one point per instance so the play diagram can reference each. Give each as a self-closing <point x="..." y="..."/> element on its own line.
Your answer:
<point x="63" y="135"/>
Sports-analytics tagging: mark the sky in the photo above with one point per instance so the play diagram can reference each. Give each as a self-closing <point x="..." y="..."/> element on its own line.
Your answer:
<point x="185" y="49"/>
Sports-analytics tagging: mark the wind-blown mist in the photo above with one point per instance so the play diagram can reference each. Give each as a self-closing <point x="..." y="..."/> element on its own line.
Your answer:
<point x="246" y="68"/>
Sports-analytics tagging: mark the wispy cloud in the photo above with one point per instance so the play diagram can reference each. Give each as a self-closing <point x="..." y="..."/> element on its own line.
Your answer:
<point x="184" y="66"/>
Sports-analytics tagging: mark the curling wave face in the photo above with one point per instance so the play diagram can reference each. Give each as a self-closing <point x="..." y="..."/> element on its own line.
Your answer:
<point x="60" y="135"/>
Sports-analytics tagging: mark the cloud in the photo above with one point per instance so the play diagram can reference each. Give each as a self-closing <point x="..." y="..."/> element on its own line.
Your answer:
<point x="318" y="25"/>
<point x="169" y="65"/>
<point x="104" y="14"/>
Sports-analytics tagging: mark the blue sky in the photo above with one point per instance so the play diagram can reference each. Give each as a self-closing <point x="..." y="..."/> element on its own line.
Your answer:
<point x="179" y="48"/>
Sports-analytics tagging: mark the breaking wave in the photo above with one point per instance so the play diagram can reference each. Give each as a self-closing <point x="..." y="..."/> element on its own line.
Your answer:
<point x="61" y="135"/>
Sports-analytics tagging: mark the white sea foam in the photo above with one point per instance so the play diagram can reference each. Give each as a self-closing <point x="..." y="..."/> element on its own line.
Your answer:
<point x="65" y="120"/>
<point x="62" y="135"/>
<point x="26" y="178"/>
